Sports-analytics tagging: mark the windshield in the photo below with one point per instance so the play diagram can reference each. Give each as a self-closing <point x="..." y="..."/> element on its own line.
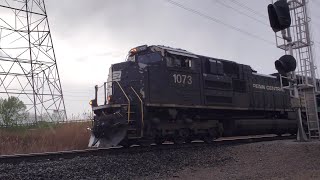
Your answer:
<point x="150" y="58"/>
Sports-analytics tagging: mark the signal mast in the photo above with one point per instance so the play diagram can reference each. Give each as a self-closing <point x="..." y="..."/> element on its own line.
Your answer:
<point x="291" y="24"/>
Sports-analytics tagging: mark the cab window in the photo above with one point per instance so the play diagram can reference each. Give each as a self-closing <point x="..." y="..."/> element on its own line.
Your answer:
<point x="181" y="62"/>
<point x="149" y="58"/>
<point x="216" y="67"/>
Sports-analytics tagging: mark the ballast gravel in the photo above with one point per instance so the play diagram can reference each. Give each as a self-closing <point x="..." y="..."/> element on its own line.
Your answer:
<point x="155" y="164"/>
<point x="266" y="160"/>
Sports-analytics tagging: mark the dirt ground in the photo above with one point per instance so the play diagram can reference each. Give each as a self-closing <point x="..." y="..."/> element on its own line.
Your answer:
<point x="266" y="160"/>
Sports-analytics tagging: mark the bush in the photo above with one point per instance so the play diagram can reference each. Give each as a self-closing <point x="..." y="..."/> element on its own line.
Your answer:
<point x="12" y="111"/>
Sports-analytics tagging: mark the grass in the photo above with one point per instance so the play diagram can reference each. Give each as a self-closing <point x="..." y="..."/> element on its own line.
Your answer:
<point x="44" y="138"/>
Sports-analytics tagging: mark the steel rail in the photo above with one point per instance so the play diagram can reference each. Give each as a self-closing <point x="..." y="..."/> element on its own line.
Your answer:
<point x="51" y="156"/>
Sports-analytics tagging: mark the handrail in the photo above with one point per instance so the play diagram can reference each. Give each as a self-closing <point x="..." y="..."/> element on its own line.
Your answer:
<point x="129" y="103"/>
<point x="105" y="93"/>
<point x="142" y="112"/>
<point x="127" y="99"/>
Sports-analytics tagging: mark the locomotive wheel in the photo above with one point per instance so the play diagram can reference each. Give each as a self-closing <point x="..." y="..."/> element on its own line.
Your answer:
<point x="292" y="132"/>
<point x="125" y="144"/>
<point x="188" y="140"/>
<point x="178" y="139"/>
<point x="159" y="141"/>
<point x="212" y="133"/>
<point x="190" y="137"/>
<point x="181" y="136"/>
<point x="145" y="142"/>
<point x="208" y="139"/>
<point x="184" y="133"/>
<point x="210" y="136"/>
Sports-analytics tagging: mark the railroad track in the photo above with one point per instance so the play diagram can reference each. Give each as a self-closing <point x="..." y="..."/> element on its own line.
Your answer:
<point x="49" y="156"/>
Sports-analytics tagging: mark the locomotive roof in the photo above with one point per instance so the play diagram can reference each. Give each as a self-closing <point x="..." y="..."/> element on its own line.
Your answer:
<point x="183" y="52"/>
<point x="174" y="49"/>
<point x="179" y="51"/>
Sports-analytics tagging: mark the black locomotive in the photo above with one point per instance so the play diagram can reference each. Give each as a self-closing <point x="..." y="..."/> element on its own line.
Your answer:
<point x="161" y="93"/>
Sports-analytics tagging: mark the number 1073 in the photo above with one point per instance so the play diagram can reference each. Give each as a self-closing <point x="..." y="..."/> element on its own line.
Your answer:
<point x="182" y="79"/>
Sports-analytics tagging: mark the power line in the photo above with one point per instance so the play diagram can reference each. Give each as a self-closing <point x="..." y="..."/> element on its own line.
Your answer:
<point x="249" y="9"/>
<point x="219" y="21"/>
<point x="240" y="12"/>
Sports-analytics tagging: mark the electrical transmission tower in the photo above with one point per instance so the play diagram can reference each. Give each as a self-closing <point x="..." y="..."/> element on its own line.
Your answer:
<point x="297" y="41"/>
<point x="28" y="66"/>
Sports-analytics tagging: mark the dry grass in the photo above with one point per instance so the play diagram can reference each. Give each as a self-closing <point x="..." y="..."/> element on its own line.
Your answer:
<point x="62" y="137"/>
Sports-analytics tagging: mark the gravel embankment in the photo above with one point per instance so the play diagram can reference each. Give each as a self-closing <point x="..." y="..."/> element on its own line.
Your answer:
<point x="268" y="160"/>
<point x="285" y="160"/>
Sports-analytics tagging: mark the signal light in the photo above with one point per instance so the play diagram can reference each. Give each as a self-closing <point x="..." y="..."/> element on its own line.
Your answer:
<point x="138" y="49"/>
<point x="286" y="64"/>
<point x="279" y="15"/>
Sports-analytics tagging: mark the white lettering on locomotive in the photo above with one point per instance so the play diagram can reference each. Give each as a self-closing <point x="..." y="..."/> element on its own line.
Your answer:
<point x="268" y="88"/>
<point x="116" y="75"/>
<point x="182" y="79"/>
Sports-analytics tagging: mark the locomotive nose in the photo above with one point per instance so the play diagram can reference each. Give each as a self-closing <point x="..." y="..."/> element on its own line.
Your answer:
<point x="108" y="130"/>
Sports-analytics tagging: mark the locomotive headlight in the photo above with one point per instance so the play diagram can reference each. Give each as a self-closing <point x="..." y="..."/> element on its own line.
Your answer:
<point x="138" y="49"/>
<point x="134" y="50"/>
<point x="90" y="102"/>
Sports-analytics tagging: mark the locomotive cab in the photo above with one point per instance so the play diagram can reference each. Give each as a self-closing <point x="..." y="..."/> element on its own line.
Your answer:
<point x="158" y="75"/>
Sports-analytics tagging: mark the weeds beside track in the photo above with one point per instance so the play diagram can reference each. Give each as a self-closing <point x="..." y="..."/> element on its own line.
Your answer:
<point x="44" y="138"/>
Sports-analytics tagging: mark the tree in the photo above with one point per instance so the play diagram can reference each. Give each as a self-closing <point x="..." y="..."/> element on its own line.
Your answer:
<point x="12" y="110"/>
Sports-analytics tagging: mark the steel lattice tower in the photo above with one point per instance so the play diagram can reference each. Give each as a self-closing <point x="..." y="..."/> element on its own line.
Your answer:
<point x="28" y="66"/>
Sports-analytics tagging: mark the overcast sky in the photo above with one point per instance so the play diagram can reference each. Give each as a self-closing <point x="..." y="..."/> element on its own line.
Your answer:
<point x="89" y="36"/>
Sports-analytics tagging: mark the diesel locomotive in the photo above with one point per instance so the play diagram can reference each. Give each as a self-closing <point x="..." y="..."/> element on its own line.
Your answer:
<point x="166" y="94"/>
